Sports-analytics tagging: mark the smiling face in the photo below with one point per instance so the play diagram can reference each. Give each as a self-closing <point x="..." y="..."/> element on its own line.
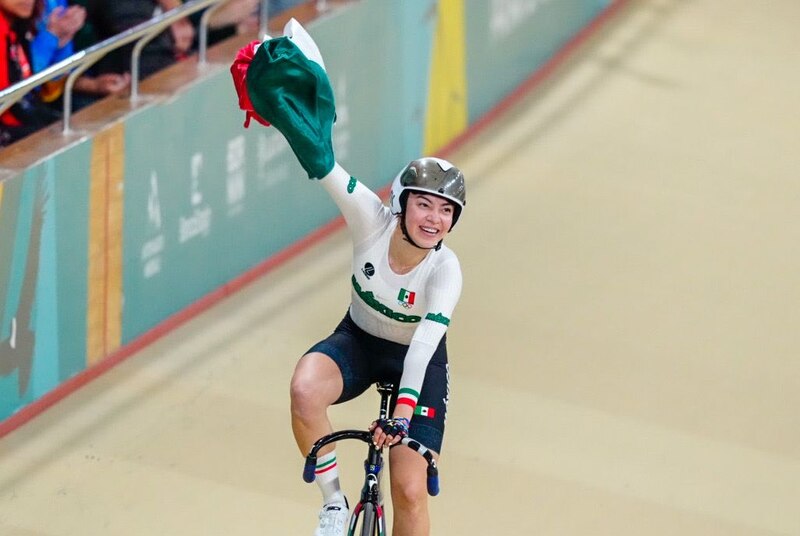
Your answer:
<point x="428" y="218"/>
<point x="21" y="9"/>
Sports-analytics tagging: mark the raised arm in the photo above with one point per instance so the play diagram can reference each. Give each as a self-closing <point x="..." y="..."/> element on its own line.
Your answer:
<point x="361" y="207"/>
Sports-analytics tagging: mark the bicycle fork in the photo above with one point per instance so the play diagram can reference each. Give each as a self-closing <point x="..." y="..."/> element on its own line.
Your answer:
<point x="370" y="507"/>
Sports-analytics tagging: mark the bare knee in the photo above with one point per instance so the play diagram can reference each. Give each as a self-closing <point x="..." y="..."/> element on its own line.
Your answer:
<point x="315" y="385"/>
<point x="301" y="393"/>
<point x="304" y="394"/>
<point x="302" y="389"/>
<point x="409" y="491"/>
<point x="410" y="495"/>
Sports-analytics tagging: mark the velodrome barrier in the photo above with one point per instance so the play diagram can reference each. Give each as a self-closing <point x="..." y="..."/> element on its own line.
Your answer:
<point x="113" y="237"/>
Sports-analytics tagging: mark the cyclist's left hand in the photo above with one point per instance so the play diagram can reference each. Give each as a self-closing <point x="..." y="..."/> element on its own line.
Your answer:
<point x="388" y="432"/>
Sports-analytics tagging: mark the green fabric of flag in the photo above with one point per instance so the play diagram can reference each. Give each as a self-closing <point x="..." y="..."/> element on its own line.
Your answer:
<point x="294" y="94"/>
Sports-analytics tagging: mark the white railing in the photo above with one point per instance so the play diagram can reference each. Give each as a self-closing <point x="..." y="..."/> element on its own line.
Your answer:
<point x="142" y="34"/>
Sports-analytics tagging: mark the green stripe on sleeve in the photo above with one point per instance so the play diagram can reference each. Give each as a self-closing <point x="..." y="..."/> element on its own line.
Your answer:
<point x="438" y="317"/>
<point x="408" y="391"/>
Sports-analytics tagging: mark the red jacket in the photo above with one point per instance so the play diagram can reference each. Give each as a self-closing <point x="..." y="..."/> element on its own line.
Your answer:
<point x="14" y="64"/>
<point x="30" y="113"/>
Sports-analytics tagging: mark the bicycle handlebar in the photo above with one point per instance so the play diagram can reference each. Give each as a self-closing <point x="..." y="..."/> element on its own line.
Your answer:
<point x="311" y="460"/>
<point x="433" y="471"/>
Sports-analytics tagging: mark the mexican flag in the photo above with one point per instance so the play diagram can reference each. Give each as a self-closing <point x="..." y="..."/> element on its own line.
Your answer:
<point x="406" y="297"/>
<point x="408" y="396"/>
<point x="283" y="82"/>
<point x="425" y="411"/>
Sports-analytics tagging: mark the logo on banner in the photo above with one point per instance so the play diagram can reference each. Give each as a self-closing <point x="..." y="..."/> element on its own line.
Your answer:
<point x="506" y="16"/>
<point x="154" y="246"/>
<point x="235" y="183"/>
<point x="154" y="204"/>
<point x="199" y="222"/>
<point x="271" y="168"/>
<point x="197" y="168"/>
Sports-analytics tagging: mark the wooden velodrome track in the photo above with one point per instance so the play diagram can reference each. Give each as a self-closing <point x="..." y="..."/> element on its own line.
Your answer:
<point x="624" y="358"/>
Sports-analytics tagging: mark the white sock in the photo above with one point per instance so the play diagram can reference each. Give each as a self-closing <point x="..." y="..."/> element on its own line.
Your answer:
<point x="327" y="476"/>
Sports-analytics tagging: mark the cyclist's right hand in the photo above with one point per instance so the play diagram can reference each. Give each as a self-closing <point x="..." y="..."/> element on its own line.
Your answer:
<point x="388" y="432"/>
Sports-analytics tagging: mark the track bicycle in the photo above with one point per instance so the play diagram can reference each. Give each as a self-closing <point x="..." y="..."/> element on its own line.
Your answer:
<point x="369" y="509"/>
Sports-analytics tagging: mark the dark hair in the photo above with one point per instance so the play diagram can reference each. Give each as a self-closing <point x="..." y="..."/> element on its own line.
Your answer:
<point x="26" y="25"/>
<point x="38" y="11"/>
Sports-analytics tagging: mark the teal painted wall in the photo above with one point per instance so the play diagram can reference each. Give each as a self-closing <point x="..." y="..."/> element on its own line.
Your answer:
<point x="507" y="40"/>
<point x="42" y="280"/>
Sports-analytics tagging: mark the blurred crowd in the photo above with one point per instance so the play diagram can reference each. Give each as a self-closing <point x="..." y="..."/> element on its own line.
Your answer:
<point x="35" y="34"/>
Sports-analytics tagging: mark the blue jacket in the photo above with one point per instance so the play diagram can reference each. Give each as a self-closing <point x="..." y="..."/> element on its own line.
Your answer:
<point x="44" y="47"/>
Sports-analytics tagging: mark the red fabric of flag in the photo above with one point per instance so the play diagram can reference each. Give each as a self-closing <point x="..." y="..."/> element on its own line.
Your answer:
<point x="239" y="72"/>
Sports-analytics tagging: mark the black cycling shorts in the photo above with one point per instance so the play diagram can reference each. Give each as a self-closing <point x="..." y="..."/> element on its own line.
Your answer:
<point x="364" y="360"/>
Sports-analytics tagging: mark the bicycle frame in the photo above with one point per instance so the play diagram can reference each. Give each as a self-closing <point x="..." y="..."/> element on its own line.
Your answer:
<point x="370" y="505"/>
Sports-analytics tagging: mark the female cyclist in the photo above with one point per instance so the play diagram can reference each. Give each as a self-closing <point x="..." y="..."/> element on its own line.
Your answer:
<point x="404" y="287"/>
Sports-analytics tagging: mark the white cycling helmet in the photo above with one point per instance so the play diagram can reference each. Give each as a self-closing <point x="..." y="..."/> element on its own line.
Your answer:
<point x="432" y="175"/>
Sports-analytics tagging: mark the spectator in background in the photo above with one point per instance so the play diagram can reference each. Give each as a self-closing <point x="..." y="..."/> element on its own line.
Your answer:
<point x="87" y="35"/>
<point x="54" y="32"/>
<point x="234" y="17"/>
<point x="17" y="26"/>
<point x="112" y="17"/>
<point x="276" y="6"/>
<point x="56" y="29"/>
<point x="240" y="17"/>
